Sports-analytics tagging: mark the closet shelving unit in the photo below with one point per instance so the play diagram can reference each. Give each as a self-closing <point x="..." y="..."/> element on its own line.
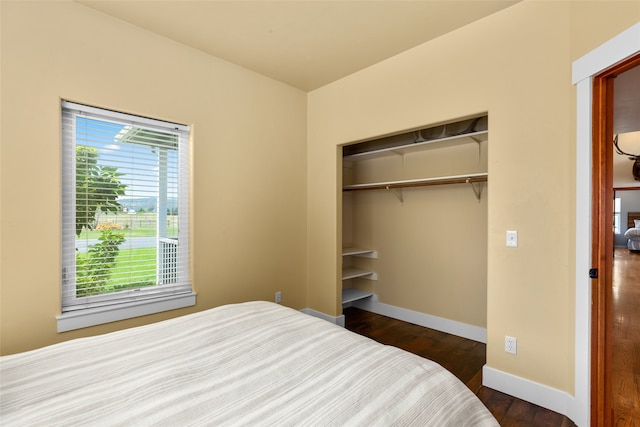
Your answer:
<point x="474" y="179"/>
<point x="353" y="294"/>
<point x="418" y="143"/>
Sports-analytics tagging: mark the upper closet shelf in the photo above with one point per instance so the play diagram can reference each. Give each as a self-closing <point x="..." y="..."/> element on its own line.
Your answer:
<point x="420" y="145"/>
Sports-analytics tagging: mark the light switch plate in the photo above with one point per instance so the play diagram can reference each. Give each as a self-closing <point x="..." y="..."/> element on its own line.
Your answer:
<point x="512" y="239"/>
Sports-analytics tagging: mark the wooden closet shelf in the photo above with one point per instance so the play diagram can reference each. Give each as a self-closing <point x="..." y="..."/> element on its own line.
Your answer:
<point x="352" y="294"/>
<point x="455" y="179"/>
<point x="352" y="273"/>
<point x="365" y="253"/>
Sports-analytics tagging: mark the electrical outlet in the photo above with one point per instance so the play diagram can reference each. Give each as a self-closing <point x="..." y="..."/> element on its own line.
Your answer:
<point x="512" y="238"/>
<point x="278" y="297"/>
<point x="510" y="345"/>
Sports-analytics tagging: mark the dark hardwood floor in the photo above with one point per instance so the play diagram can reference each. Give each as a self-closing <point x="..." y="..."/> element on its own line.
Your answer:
<point x="626" y="338"/>
<point x="463" y="357"/>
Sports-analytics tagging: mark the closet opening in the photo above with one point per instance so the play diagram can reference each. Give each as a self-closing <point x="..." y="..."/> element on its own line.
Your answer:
<point x="414" y="226"/>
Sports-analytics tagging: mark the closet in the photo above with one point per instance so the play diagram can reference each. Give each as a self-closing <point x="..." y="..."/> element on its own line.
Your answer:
<point x="415" y="221"/>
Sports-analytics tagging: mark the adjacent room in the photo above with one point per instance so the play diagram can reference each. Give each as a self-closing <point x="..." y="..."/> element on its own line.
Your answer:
<point x="626" y="240"/>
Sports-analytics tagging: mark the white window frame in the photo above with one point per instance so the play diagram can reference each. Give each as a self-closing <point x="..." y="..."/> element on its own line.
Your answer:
<point x="617" y="227"/>
<point x="89" y="311"/>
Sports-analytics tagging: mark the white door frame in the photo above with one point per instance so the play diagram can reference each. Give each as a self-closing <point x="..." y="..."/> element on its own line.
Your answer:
<point x="623" y="46"/>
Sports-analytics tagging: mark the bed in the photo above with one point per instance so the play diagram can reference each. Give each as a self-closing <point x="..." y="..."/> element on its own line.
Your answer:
<point x="633" y="232"/>
<point x="254" y="363"/>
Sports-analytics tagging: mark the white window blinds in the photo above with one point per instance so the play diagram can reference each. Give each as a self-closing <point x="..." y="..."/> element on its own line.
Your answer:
<point x="125" y="208"/>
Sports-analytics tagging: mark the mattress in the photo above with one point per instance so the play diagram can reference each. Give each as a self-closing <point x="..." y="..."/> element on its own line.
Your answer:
<point x="254" y="363"/>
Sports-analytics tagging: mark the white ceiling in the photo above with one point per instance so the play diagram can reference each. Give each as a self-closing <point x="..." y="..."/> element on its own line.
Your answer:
<point x="626" y="122"/>
<point x="305" y="44"/>
<point x="626" y="100"/>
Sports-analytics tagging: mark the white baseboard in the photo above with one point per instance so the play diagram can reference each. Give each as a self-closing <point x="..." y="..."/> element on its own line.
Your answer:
<point x="452" y="327"/>
<point x="533" y="392"/>
<point x="338" y="320"/>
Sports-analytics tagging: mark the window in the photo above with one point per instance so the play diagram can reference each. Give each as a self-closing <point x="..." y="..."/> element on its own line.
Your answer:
<point x="616" y="216"/>
<point x="125" y="230"/>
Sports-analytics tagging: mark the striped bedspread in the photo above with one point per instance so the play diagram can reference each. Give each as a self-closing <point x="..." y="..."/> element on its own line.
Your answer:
<point x="256" y="364"/>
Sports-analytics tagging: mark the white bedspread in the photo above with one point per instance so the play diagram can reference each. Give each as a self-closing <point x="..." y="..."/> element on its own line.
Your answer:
<point x="633" y="236"/>
<point x="254" y="363"/>
<point x="632" y="232"/>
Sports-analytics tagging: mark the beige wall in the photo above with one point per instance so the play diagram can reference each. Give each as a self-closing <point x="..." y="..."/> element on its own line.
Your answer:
<point x="249" y="156"/>
<point x="516" y="66"/>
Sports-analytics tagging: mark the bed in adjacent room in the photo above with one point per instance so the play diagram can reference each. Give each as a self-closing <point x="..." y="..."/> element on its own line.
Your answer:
<point x="255" y="363"/>
<point x="633" y="232"/>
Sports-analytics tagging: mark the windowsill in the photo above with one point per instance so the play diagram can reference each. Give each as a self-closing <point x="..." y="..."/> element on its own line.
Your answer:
<point x="72" y="320"/>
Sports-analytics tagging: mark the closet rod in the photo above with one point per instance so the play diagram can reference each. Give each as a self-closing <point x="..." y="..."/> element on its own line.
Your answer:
<point x="457" y="179"/>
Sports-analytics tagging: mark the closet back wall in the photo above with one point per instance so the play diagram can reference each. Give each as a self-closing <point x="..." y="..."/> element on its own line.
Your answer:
<point x="432" y="246"/>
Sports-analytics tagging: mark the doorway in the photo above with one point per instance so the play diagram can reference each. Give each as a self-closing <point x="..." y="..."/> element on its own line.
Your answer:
<point x="608" y="120"/>
<point x="589" y="377"/>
